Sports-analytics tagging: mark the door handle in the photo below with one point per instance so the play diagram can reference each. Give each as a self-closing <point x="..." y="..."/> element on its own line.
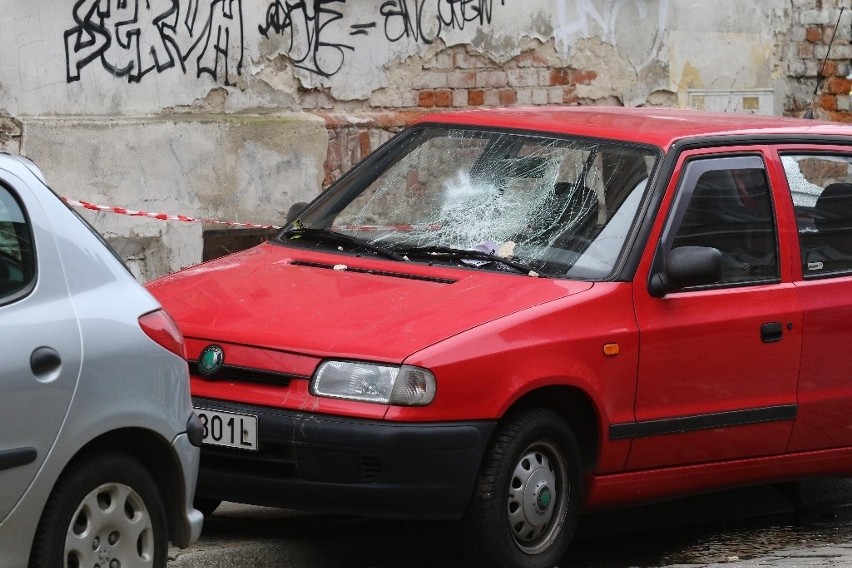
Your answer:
<point x="45" y="362"/>
<point x="771" y="332"/>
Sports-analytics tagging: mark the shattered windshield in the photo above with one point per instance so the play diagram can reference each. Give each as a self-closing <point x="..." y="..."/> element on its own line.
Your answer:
<point x="487" y="199"/>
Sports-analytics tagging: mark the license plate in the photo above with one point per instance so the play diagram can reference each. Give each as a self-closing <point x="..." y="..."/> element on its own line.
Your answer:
<point x="229" y="429"/>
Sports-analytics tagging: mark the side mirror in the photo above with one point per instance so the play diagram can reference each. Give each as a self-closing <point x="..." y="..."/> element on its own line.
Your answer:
<point x="294" y="211"/>
<point x="687" y="266"/>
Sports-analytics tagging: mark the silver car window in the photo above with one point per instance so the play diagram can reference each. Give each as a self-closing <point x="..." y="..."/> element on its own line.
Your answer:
<point x="17" y="259"/>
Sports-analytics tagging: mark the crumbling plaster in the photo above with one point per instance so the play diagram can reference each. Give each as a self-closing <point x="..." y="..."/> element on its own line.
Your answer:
<point x="131" y="104"/>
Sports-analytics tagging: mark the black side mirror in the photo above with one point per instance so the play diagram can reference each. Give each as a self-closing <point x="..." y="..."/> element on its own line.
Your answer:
<point x="294" y="211"/>
<point x="687" y="266"/>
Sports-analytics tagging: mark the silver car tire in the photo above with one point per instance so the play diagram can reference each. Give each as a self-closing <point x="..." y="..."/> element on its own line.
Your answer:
<point x="526" y="502"/>
<point x="105" y="511"/>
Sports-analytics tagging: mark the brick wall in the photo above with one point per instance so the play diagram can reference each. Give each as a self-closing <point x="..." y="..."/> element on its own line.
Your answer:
<point x="811" y="33"/>
<point x="456" y="78"/>
<point x="453" y="79"/>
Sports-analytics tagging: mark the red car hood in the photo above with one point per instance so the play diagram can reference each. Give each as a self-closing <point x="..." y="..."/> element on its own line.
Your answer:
<point x="306" y="302"/>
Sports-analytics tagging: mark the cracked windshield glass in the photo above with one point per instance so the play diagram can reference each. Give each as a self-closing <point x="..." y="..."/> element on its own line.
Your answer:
<point x="491" y="200"/>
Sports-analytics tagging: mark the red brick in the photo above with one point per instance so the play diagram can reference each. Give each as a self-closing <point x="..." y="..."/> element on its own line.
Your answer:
<point x="508" y="97"/>
<point x="559" y="77"/>
<point x="569" y="95"/>
<point x="827" y="102"/>
<point x="365" y="146"/>
<point x="806" y="50"/>
<point x="813" y="34"/>
<point x="475" y="97"/>
<point x="426" y="99"/>
<point x="584" y="77"/>
<point x="838" y="85"/>
<point x="830" y="69"/>
<point x="444" y="98"/>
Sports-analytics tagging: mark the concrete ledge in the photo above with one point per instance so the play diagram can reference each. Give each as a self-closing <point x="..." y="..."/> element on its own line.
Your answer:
<point x="243" y="168"/>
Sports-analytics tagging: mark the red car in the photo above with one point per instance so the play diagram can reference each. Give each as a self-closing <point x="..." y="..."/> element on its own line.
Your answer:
<point x="511" y="316"/>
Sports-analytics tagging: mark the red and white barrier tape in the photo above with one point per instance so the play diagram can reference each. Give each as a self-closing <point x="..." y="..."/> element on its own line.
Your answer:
<point x="160" y="216"/>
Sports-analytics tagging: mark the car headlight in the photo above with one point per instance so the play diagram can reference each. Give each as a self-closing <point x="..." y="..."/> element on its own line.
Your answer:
<point x="369" y="382"/>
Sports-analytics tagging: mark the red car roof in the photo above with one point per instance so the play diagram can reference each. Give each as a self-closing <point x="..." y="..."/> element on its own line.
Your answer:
<point x="649" y="125"/>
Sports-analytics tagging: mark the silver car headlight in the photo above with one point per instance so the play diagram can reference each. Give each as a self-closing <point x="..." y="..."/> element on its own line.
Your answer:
<point x="369" y="382"/>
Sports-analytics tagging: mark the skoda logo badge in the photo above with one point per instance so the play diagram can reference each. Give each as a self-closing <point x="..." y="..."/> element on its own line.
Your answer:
<point x="210" y="360"/>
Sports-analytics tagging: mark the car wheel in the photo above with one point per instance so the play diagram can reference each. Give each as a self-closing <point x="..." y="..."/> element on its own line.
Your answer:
<point x="527" y="499"/>
<point x="104" y="511"/>
<point x="205" y="505"/>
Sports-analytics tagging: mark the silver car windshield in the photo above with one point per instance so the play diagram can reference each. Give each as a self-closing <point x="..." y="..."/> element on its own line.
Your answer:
<point x="557" y="206"/>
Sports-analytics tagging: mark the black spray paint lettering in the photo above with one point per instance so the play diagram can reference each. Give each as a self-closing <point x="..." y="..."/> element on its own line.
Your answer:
<point x="424" y="20"/>
<point x="131" y="38"/>
<point x="307" y="20"/>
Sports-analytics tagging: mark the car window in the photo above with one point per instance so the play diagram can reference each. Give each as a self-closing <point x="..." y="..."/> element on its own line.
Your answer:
<point x="730" y="209"/>
<point x="558" y="205"/>
<point x="821" y="189"/>
<point x="17" y="261"/>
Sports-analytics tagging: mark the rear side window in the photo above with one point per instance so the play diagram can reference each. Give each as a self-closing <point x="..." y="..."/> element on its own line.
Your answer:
<point x="821" y="189"/>
<point x="17" y="258"/>
<point x="729" y="207"/>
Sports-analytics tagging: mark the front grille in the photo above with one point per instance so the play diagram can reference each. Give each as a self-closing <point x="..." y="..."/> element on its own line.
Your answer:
<point x="244" y="374"/>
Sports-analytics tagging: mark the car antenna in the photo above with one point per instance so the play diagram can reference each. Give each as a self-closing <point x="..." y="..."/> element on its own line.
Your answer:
<point x="810" y="112"/>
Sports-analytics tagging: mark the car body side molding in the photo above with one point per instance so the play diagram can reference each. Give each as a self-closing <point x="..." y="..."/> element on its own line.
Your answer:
<point x="683" y="424"/>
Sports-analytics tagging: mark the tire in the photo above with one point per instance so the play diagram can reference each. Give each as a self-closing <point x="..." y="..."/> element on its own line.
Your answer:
<point x="527" y="499"/>
<point x="104" y="508"/>
<point x="206" y="506"/>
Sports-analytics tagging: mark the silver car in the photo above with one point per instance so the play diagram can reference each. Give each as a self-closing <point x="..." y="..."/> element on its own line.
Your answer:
<point x="98" y="440"/>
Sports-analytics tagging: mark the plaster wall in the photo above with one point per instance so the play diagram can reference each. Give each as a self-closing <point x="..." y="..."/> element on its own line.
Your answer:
<point x="234" y="109"/>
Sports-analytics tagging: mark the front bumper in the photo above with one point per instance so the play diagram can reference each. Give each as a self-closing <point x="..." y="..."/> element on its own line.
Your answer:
<point x="187" y="525"/>
<point x="347" y="466"/>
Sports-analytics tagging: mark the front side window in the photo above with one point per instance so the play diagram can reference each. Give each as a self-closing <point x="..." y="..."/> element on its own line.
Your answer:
<point x="729" y="208"/>
<point x="558" y="206"/>
<point x="17" y="261"/>
<point x="821" y="189"/>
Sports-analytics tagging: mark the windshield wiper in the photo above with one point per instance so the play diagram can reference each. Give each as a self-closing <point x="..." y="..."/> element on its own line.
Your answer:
<point x="328" y="235"/>
<point x="470" y="254"/>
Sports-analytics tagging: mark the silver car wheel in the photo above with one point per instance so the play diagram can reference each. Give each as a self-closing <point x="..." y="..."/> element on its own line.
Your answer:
<point x="537" y="497"/>
<point x="110" y="528"/>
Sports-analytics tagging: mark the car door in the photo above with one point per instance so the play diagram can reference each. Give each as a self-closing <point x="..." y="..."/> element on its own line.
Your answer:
<point x="719" y="362"/>
<point x="820" y="181"/>
<point x="40" y="347"/>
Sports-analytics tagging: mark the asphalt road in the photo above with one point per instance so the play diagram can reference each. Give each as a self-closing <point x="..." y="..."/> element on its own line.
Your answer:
<point x="759" y="526"/>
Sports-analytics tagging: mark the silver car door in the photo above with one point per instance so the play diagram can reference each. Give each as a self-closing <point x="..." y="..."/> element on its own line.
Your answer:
<point x="40" y="347"/>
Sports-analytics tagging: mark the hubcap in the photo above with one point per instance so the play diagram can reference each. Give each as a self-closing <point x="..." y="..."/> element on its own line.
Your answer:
<point x="538" y="497"/>
<point x="110" y="528"/>
<point x="544" y="497"/>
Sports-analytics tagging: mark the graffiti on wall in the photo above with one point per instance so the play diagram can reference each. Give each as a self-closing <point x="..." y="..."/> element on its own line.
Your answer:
<point x="424" y="20"/>
<point x="132" y="38"/>
<point x="308" y="21"/>
<point x="306" y="26"/>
